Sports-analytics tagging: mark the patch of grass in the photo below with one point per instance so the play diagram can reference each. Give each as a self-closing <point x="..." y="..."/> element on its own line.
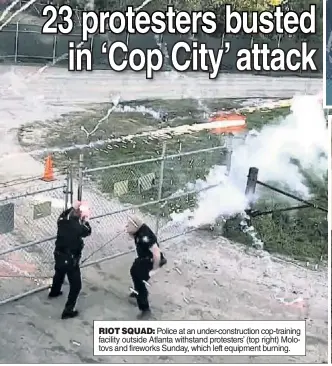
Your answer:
<point x="178" y="171"/>
<point x="66" y="131"/>
<point x="301" y="234"/>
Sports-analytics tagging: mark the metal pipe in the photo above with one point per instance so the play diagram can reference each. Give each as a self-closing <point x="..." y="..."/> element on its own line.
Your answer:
<point x="23" y="246"/>
<point x="101" y="247"/>
<point x="178" y="235"/>
<point x="121" y="254"/>
<point x="110" y="257"/>
<point x="251" y="181"/>
<point x="67" y="190"/>
<point x="160" y="187"/>
<point x="114" y="256"/>
<point x="292" y="196"/>
<point x="80" y="178"/>
<point x="133" y="207"/>
<point x="138" y="162"/>
<point x="54" y="48"/>
<point x="27" y="293"/>
<point x="16" y="42"/>
<point x="121" y="165"/>
<point x="71" y="186"/>
<point x="27" y="194"/>
<point x="229" y="152"/>
<point x="91" y="43"/>
<point x="104" y="215"/>
<point x="127" y="43"/>
<point x="261" y="213"/>
<point x="78" y="18"/>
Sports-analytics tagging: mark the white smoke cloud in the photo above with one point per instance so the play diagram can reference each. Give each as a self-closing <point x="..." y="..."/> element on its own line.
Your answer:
<point x="139" y="109"/>
<point x="302" y="135"/>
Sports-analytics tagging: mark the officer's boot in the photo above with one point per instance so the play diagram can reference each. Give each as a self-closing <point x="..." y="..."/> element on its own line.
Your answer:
<point x="143" y="305"/>
<point x="53" y="294"/>
<point x="69" y="313"/>
<point x="144" y="315"/>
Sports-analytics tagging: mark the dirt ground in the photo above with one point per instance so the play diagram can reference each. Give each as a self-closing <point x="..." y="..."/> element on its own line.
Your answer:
<point x="218" y="281"/>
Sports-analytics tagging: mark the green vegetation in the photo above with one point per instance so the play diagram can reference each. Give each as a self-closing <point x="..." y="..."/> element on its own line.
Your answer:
<point x="301" y="234"/>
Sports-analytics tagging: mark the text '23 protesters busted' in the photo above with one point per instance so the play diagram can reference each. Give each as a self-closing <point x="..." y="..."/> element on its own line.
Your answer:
<point x="72" y="228"/>
<point x="149" y="258"/>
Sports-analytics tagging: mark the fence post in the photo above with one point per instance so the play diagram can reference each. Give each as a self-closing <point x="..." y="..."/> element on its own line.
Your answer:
<point x="250" y="190"/>
<point x="229" y="152"/>
<point x="91" y="44"/>
<point x="77" y="16"/>
<point x="71" y="185"/>
<point x="91" y="49"/>
<point x="66" y="191"/>
<point x="55" y="39"/>
<point x="127" y="43"/>
<point x="251" y="181"/>
<point x="16" y="43"/>
<point x="160" y="187"/>
<point x="222" y="40"/>
<point x="279" y="40"/>
<point x="80" y="178"/>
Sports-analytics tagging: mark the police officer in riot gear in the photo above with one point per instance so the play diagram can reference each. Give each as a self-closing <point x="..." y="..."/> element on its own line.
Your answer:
<point x="149" y="258"/>
<point x="72" y="228"/>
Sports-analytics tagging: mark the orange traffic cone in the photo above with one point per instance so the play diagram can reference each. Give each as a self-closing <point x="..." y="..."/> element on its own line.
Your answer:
<point x="48" y="170"/>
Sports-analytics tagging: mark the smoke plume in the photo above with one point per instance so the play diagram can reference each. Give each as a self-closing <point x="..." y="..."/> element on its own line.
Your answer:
<point x="302" y="136"/>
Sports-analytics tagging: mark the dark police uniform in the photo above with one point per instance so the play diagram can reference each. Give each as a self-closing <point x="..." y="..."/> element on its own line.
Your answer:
<point x="143" y="264"/>
<point x="67" y="254"/>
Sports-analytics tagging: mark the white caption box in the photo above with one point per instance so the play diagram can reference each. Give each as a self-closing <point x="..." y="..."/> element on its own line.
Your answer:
<point x="176" y="338"/>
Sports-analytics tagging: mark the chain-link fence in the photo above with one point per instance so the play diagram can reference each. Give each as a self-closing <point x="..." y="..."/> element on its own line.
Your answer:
<point x="23" y="42"/>
<point x="27" y="232"/>
<point x="159" y="188"/>
<point x="155" y="187"/>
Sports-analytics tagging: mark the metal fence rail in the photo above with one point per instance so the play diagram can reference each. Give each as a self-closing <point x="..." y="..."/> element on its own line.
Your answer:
<point x="27" y="228"/>
<point x="24" y="43"/>
<point x="274" y="207"/>
<point x="150" y="186"/>
<point x="156" y="188"/>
